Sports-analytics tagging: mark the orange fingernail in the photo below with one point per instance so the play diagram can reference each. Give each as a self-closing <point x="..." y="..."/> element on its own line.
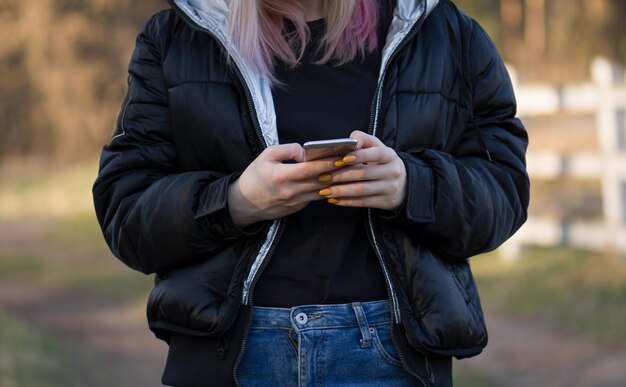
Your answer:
<point x="349" y="159"/>
<point x="326" y="192"/>
<point x="339" y="163"/>
<point x="325" y="178"/>
<point x="332" y="201"/>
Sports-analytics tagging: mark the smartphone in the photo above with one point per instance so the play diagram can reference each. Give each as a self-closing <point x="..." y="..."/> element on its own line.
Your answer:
<point x="314" y="150"/>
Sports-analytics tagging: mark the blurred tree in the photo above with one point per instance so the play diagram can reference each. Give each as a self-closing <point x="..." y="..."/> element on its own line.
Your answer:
<point x="554" y="41"/>
<point x="535" y="29"/>
<point x="511" y="19"/>
<point x="615" y="28"/>
<point x="487" y="12"/>
<point x="62" y="66"/>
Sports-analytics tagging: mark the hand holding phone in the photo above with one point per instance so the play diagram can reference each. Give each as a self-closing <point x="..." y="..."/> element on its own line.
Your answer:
<point x="314" y="150"/>
<point x="269" y="188"/>
<point x="374" y="177"/>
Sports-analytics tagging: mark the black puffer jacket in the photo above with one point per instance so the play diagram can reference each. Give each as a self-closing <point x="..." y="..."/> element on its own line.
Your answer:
<point x="193" y="121"/>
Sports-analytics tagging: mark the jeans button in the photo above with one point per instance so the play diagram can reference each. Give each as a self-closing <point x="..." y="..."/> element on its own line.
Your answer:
<point x="302" y="318"/>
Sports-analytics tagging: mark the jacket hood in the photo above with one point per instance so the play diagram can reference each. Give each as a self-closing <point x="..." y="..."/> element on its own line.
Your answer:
<point x="212" y="15"/>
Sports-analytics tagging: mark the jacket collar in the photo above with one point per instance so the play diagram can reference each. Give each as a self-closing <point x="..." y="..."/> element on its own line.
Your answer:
<point x="212" y="15"/>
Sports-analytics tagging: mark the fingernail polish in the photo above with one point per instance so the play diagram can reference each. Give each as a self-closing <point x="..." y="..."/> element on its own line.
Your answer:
<point x="332" y="201"/>
<point x="349" y="159"/>
<point x="326" y="192"/>
<point x="325" y="178"/>
<point x="339" y="163"/>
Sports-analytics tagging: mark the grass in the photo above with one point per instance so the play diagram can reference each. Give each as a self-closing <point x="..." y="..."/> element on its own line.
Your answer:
<point x="36" y="190"/>
<point x="76" y="232"/>
<point x="71" y="253"/>
<point x="581" y="291"/>
<point x="67" y="252"/>
<point x="31" y="358"/>
<point x="70" y="250"/>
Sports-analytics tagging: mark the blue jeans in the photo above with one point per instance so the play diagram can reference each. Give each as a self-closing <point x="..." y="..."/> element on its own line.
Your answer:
<point x="322" y="345"/>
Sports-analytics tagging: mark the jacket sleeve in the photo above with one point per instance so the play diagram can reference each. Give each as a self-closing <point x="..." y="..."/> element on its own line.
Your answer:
<point x="459" y="203"/>
<point x="155" y="217"/>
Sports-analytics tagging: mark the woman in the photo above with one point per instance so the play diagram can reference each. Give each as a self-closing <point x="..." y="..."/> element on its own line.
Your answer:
<point x="275" y="271"/>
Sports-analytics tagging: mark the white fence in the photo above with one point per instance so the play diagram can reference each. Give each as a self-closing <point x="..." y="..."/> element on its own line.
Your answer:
<point x="605" y="97"/>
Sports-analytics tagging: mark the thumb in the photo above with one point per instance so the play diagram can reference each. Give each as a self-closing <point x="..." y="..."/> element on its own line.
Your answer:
<point x="284" y="152"/>
<point x="365" y="140"/>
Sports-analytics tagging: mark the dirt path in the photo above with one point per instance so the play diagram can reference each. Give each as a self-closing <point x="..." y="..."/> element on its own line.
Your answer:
<point x="111" y="336"/>
<point x="534" y="353"/>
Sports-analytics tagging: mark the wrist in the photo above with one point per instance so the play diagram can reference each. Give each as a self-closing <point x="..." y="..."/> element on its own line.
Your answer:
<point x="241" y="210"/>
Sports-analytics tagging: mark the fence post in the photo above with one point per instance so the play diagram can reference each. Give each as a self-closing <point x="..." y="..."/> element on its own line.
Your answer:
<point x="611" y="121"/>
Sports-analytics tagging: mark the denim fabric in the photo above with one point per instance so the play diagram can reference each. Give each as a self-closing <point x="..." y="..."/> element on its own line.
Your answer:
<point x="322" y="345"/>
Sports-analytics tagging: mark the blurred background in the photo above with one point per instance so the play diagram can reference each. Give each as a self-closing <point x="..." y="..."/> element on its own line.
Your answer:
<point x="555" y="295"/>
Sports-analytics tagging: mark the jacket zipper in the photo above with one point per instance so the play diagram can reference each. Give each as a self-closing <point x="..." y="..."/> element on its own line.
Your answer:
<point x="375" y="108"/>
<point x="250" y="300"/>
<point x="374" y="111"/>
<point x="280" y="223"/>
<point x="390" y="294"/>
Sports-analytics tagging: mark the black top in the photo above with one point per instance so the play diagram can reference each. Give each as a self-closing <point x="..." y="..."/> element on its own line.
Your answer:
<point x="324" y="255"/>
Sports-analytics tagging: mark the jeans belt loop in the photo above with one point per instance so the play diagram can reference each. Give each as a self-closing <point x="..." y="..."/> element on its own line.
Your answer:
<point x="366" y="340"/>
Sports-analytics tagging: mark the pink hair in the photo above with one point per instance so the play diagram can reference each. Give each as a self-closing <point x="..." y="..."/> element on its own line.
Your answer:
<point x="257" y="30"/>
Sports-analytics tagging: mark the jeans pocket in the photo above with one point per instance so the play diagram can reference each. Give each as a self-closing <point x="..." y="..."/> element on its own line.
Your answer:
<point x="383" y="344"/>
